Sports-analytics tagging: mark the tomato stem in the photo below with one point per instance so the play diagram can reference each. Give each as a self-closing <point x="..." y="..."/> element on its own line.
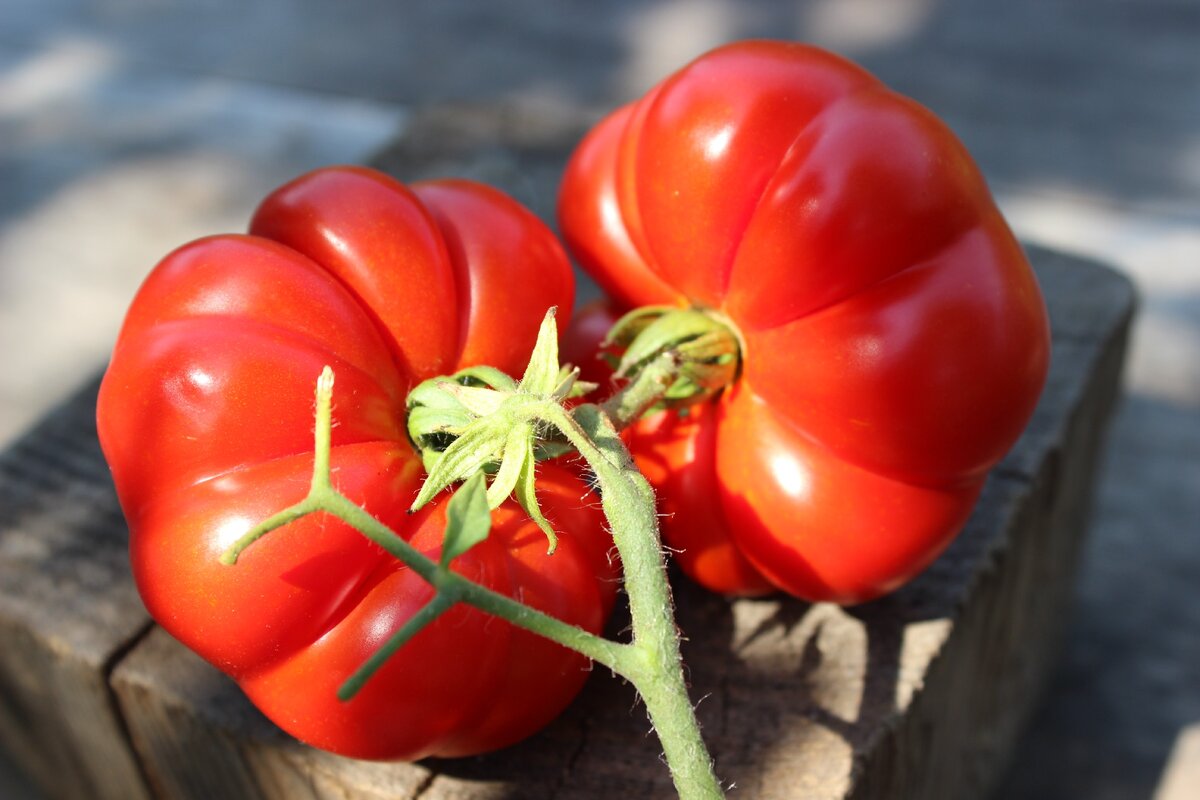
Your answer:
<point x="324" y="421"/>
<point x="415" y="624"/>
<point x="657" y="668"/>
<point x="627" y="405"/>
<point x="696" y="351"/>
<point x="308" y="505"/>
<point x="651" y="661"/>
<point x="464" y="590"/>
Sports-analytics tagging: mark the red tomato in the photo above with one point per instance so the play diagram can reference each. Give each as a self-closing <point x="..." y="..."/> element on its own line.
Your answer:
<point x="206" y="418"/>
<point x="894" y="339"/>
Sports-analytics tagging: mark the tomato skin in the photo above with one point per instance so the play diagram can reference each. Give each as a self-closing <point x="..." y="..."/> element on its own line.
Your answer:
<point x="677" y="454"/>
<point x="205" y="416"/>
<point x="468" y="683"/>
<point x="818" y="526"/>
<point x="594" y="227"/>
<point x="894" y="339"/>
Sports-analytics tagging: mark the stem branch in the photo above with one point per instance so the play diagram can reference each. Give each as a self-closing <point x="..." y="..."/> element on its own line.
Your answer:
<point x="594" y="647"/>
<point x="323" y="497"/>
<point x="436" y="607"/>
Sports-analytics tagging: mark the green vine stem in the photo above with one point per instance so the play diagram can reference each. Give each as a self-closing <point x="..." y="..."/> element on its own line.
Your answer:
<point x="651" y="659"/>
<point x="323" y="497"/>
<point x="627" y="499"/>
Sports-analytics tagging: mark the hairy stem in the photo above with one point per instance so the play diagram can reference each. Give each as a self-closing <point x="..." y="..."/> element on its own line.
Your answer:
<point x="462" y="589"/>
<point x="440" y="604"/>
<point x="627" y="405"/>
<point x="657" y="669"/>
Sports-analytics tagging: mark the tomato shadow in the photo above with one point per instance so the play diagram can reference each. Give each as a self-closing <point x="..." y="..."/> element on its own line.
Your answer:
<point x="805" y="689"/>
<point x="769" y="676"/>
<point x="801" y="688"/>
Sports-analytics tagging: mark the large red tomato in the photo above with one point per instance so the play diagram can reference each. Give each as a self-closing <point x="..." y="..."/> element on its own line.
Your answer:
<point x="206" y="418"/>
<point x="893" y="338"/>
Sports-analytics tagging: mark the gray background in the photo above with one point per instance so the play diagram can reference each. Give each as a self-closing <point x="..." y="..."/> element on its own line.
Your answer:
<point x="130" y="126"/>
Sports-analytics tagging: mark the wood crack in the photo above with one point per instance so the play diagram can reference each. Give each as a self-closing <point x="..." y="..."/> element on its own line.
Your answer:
<point x="114" y="702"/>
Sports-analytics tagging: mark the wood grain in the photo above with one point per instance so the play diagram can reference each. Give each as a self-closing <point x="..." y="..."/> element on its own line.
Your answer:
<point x="68" y="609"/>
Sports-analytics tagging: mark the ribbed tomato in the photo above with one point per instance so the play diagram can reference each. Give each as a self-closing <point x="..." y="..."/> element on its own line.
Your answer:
<point x="206" y="418"/>
<point x="893" y="337"/>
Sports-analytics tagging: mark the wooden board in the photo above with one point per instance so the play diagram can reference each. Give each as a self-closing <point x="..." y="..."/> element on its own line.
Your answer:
<point x="918" y="695"/>
<point x="68" y="609"/>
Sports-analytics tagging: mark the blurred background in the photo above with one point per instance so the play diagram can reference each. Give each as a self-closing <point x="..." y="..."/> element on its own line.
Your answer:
<point x="130" y="126"/>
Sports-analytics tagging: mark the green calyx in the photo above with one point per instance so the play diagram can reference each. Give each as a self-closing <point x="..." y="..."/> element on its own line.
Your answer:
<point x="481" y="421"/>
<point x="705" y="349"/>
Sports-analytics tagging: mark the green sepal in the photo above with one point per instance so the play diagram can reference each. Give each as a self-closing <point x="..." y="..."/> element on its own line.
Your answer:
<point x="428" y="420"/>
<point x="478" y="445"/>
<point x="484" y="375"/>
<point x="431" y="416"/>
<point x="516" y="450"/>
<point x="569" y="386"/>
<point x="695" y="349"/>
<point x="712" y="346"/>
<point x="564" y="383"/>
<point x="440" y="408"/>
<point x="668" y="332"/>
<point x="541" y="374"/>
<point x="580" y="389"/>
<point x="468" y="519"/>
<point x="527" y="497"/>
<point x="429" y="394"/>
<point x="478" y="400"/>
<point x="628" y="327"/>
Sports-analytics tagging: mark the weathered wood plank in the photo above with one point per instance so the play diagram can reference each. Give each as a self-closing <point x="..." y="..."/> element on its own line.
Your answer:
<point x="201" y="738"/>
<point x="68" y="609"/>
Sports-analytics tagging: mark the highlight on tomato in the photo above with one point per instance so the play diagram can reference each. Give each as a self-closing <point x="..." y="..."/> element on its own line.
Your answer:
<point x="891" y="339"/>
<point x="206" y="418"/>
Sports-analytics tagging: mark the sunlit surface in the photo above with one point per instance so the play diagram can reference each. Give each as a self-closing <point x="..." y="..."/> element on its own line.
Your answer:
<point x="1161" y="254"/>
<point x="718" y="143"/>
<point x="791" y="476"/>
<point x="230" y="531"/>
